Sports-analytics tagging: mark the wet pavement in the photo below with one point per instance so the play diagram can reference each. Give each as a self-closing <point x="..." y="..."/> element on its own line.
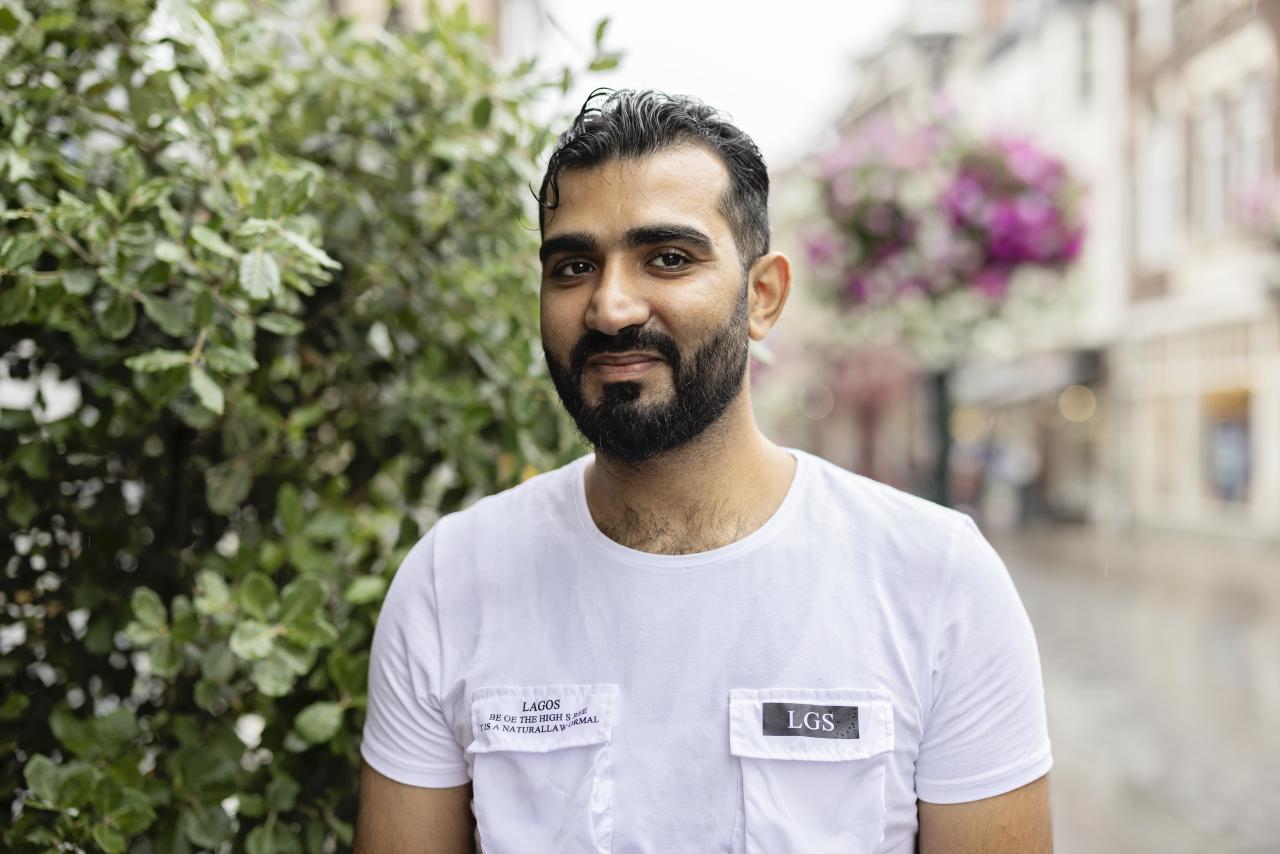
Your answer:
<point x="1161" y="657"/>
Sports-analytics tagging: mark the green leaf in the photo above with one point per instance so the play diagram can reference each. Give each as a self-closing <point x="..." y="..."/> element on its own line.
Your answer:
<point x="169" y="252"/>
<point x="280" y="324"/>
<point x="77" y="784"/>
<point x="78" y="282"/>
<point x="350" y="673"/>
<point x="13" y="706"/>
<point x="21" y="508"/>
<point x="225" y="360"/>
<point x="15" y="302"/>
<point x="169" y="315"/>
<point x="148" y="608"/>
<point x="205" y="306"/>
<point x="301" y="599"/>
<point x="309" y="249"/>
<point x="211" y="240"/>
<point x="212" y="595"/>
<point x="282" y="792"/>
<point x="312" y="631"/>
<point x="481" y="112"/>
<point x="156" y="360"/>
<point x="206" y="825"/>
<point x="32" y="459"/>
<point x="319" y="722"/>
<point x="273" y="676"/>
<point x="366" y="589"/>
<point x="273" y="839"/>
<point x="166" y="657"/>
<point x="116" y="728"/>
<point x="289" y="503"/>
<point x="42" y="777"/>
<point x="12" y="17"/>
<point x="259" y="275"/>
<point x="227" y="485"/>
<point x="106" y="796"/>
<point x="218" y="663"/>
<point x="117" y="317"/>
<point x="601" y="26"/>
<point x="604" y="62"/>
<point x="135" y="816"/>
<point x="74" y="734"/>
<point x="256" y="595"/>
<point x="108" y="202"/>
<point x="252" y="640"/>
<point x="207" y="390"/>
<point x="109" y="838"/>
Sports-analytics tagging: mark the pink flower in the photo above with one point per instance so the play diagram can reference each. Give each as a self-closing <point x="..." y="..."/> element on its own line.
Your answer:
<point x="992" y="282"/>
<point x="858" y="289"/>
<point x="823" y="248"/>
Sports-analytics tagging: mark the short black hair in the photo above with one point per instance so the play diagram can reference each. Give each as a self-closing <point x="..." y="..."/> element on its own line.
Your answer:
<point x="630" y="124"/>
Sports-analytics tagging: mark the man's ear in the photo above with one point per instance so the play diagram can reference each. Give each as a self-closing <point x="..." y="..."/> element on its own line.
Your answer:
<point x="770" y="283"/>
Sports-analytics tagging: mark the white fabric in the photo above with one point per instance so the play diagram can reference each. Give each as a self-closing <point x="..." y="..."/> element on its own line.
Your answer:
<point x="603" y="699"/>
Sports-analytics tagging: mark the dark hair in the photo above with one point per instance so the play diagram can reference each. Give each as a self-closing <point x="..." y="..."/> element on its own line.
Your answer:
<point x="632" y="124"/>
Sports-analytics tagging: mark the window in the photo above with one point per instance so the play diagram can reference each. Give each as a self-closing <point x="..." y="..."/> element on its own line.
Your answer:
<point x="1226" y="437"/>
<point x="1211" y="170"/>
<point x="1253" y="126"/>
<point x="1086" y="54"/>
<point x="1159" y="170"/>
<point x="1155" y="26"/>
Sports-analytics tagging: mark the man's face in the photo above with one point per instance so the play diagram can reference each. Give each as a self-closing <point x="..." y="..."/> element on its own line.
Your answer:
<point x="644" y="303"/>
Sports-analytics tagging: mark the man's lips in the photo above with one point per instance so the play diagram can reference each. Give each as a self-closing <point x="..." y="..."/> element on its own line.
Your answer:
<point x="622" y="365"/>
<point x="621" y="359"/>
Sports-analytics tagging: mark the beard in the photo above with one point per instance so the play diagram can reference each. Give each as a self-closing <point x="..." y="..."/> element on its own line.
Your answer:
<point x="628" y="430"/>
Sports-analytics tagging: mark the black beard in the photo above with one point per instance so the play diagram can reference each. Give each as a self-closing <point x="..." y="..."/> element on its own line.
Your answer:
<point x="626" y="431"/>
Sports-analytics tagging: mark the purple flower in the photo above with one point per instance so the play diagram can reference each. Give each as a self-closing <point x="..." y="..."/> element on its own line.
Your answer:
<point x="823" y="248"/>
<point x="992" y="282"/>
<point x="858" y="289"/>
<point x="965" y="197"/>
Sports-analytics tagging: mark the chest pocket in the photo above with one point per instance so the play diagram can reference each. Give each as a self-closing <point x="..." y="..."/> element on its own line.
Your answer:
<point x="542" y="778"/>
<point x="813" y="768"/>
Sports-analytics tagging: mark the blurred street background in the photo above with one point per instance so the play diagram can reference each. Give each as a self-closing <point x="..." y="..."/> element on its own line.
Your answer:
<point x="1037" y="277"/>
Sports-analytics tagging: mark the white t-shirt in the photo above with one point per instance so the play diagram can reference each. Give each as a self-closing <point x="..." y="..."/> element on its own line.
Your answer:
<point x="794" y="691"/>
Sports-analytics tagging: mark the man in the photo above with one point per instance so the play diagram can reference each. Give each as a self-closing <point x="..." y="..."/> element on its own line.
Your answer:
<point x="693" y="640"/>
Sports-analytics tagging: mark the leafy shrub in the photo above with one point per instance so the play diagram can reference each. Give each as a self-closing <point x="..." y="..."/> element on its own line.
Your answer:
<point x="290" y="272"/>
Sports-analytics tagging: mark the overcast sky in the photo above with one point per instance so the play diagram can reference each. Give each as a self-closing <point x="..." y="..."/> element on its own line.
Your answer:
<point x="783" y="70"/>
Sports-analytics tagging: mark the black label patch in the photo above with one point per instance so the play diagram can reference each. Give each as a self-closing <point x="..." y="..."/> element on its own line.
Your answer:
<point x="810" y="721"/>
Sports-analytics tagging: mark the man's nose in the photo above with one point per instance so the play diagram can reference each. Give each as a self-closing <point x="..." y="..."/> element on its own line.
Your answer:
<point x="617" y="302"/>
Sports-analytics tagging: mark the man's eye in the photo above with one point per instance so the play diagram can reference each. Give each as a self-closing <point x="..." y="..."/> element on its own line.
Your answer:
<point x="572" y="268"/>
<point x="671" y="260"/>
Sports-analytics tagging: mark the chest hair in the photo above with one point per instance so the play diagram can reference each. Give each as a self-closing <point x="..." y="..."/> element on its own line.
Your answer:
<point x="707" y="528"/>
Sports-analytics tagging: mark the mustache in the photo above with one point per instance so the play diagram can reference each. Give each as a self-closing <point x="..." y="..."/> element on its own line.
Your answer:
<point x="631" y="338"/>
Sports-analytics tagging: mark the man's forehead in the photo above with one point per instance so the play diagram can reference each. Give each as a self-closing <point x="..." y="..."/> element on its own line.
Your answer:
<point x="682" y="183"/>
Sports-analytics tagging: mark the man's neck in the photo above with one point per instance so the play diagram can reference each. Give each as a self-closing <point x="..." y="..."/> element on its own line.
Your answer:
<point x="708" y="493"/>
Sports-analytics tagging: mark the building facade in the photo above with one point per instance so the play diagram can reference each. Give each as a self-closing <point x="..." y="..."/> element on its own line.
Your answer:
<point x="1198" y="363"/>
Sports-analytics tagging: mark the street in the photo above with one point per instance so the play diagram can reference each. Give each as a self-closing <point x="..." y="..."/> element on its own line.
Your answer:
<point x="1161" y="657"/>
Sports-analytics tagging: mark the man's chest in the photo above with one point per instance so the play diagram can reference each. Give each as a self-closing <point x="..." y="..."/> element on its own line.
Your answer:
<point x="669" y="726"/>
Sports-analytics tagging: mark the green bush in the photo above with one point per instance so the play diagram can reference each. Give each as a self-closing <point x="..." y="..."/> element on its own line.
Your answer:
<point x="292" y="273"/>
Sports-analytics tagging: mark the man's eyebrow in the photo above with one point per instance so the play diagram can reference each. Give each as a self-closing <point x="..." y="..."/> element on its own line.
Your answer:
<point x="645" y="235"/>
<point x="648" y="235"/>
<point x="574" y="241"/>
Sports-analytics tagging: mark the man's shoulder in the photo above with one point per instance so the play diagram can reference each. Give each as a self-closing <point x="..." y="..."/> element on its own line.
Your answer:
<point x="881" y="505"/>
<point x="547" y="493"/>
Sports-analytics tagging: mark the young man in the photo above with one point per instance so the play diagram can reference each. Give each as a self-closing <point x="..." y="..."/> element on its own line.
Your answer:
<point x="693" y="640"/>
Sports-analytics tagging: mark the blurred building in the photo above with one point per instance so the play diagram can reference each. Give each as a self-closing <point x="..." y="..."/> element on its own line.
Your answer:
<point x="1151" y="393"/>
<point x="1198" y="363"/>
<point x="1053" y="72"/>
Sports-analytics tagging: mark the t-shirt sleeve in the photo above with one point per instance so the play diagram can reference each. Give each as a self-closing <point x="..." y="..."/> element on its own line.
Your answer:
<point x="985" y="732"/>
<point x="406" y="735"/>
